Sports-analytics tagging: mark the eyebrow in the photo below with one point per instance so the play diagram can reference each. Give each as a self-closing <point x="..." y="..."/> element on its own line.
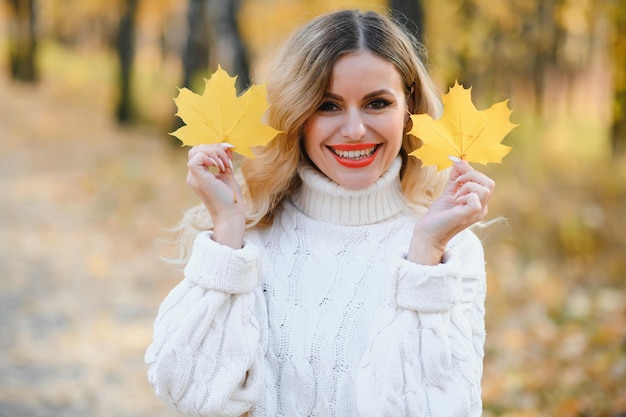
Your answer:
<point x="373" y="94"/>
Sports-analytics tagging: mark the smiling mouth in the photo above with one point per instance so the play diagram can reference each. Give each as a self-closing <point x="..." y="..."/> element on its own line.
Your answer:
<point x="357" y="155"/>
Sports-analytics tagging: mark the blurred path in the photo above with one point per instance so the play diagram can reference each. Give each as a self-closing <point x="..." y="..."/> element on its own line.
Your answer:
<point x="82" y="205"/>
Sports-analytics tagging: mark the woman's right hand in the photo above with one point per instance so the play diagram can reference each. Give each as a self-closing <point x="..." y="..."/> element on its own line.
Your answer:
<point x="220" y="192"/>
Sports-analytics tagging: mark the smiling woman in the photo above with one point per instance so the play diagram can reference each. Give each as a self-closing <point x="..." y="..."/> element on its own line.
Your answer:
<point x="342" y="279"/>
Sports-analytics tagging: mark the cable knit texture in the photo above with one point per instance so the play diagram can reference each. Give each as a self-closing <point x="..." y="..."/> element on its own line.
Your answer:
<point x="322" y="315"/>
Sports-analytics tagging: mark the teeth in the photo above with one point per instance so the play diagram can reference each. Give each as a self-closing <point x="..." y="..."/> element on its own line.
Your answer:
<point x="355" y="154"/>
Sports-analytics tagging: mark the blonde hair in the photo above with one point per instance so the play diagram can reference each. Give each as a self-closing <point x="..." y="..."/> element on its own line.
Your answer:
<point x="296" y="80"/>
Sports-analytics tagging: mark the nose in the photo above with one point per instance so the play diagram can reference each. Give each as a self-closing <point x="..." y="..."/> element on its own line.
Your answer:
<point x="353" y="127"/>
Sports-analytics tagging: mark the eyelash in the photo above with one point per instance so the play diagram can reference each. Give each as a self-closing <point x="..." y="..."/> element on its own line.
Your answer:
<point x="380" y="103"/>
<point x="375" y="104"/>
<point x="327" y="106"/>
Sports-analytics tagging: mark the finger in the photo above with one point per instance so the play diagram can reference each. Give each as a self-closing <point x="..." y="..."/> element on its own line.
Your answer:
<point x="199" y="166"/>
<point x="209" y="148"/>
<point x="229" y="152"/>
<point x="476" y="177"/>
<point x="481" y="191"/>
<point x="222" y="153"/>
<point x="459" y="167"/>
<point x="220" y="156"/>
<point x="470" y="210"/>
<point x="198" y="172"/>
<point x="225" y="158"/>
<point x="200" y="149"/>
<point x="471" y="200"/>
<point x="196" y="160"/>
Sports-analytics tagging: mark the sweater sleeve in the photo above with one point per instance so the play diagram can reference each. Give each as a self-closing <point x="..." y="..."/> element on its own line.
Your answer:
<point x="205" y="357"/>
<point x="425" y="349"/>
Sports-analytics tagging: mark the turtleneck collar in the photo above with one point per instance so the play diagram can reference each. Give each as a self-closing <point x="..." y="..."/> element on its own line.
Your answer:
<point x="322" y="199"/>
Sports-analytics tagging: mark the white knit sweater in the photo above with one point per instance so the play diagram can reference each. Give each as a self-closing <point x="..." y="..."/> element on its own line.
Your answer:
<point x="322" y="315"/>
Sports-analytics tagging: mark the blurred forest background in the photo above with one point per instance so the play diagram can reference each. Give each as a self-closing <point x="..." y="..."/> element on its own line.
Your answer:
<point x="90" y="181"/>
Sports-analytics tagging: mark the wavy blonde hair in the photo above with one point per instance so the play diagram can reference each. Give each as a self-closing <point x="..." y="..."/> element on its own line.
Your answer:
<point x="296" y="80"/>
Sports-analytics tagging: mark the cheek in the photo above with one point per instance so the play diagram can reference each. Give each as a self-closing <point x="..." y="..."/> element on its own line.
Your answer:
<point x="307" y="134"/>
<point x="314" y="133"/>
<point x="394" y="132"/>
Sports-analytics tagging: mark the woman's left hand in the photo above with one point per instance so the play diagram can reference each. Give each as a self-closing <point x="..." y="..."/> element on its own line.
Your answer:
<point x="462" y="203"/>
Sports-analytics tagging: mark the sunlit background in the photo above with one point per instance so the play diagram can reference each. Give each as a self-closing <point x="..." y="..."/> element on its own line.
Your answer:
<point x="90" y="181"/>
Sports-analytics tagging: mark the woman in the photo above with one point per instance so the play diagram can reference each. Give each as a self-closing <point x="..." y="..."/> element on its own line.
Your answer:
<point x="339" y="278"/>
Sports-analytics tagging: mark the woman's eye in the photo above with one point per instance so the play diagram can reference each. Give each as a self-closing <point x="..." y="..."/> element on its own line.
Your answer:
<point x="327" y="106"/>
<point x="378" y="103"/>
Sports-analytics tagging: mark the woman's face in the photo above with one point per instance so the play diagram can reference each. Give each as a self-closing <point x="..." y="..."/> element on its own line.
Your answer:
<point x="356" y="133"/>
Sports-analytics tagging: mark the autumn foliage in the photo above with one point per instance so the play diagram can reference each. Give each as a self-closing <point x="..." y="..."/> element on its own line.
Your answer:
<point x="462" y="131"/>
<point x="219" y="115"/>
<point x="86" y="204"/>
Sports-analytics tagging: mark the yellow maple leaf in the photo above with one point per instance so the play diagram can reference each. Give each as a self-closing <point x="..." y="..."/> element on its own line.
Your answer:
<point x="463" y="131"/>
<point x="219" y="115"/>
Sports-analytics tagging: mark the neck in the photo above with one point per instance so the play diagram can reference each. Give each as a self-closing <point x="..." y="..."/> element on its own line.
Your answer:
<point x="322" y="199"/>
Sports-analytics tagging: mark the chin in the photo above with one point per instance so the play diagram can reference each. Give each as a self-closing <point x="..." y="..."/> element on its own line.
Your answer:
<point x="356" y="181"/>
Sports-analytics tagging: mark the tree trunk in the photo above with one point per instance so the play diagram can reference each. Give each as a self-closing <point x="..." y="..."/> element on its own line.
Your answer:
<point x="197" y="48"/>
<point x="545" y="50"/>
<point x="468" y="15"/>
<point x="22" y="40"/>
<point x="618" y="125"/>
<point x="411" y="14"/>
<point x="231" y="52"/>
<point x="241" y="64"/>
<point x="125" y="44"/>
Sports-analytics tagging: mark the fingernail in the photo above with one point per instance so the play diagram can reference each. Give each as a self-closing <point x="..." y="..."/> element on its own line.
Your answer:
<point x="227" y="145"/>
<point x="454" y="159"/>
<point x="230" y="163"/>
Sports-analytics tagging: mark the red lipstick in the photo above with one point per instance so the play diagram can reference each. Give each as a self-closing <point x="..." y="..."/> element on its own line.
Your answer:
<point x="340" y="152"/>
